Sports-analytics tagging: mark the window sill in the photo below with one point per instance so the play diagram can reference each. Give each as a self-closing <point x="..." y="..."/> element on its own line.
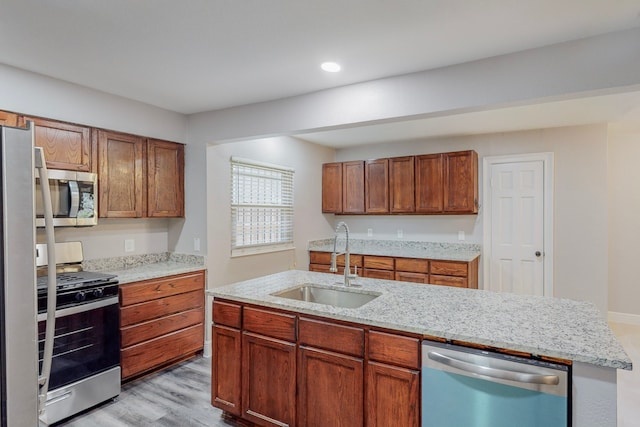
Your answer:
<point x="237" y="253"/>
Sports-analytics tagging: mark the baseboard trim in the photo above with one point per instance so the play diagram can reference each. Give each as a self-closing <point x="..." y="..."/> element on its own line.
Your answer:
<point x="207" y="349"/>
<point x="632" y="319"/>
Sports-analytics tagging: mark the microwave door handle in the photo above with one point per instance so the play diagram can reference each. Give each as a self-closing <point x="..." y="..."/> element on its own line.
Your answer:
<point x="75" y="199"/>
<point x="47" y="357"/>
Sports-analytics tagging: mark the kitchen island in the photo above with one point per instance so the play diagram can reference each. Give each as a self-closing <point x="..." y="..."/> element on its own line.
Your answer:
<point x="554" y="328"/>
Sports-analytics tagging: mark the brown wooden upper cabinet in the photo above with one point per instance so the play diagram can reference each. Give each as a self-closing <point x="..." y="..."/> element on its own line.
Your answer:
<point x="461" y="182"/>
<point x="139" y="177"/>
<point x="165" y="161"/>
<point x="332" y="188"/>
<point x="429" y="183"/>
<point x="402" y="185"/>
<point x="121" y="175"/>
<point x="353" y="187"/>
<point x="442" y="183"/>
<point x="10" y="119"/>
<point x="376" y="186"/>
<point x="66" y="146"/>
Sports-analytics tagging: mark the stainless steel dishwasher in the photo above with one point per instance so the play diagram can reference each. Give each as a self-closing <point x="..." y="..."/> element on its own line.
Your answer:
<point x="476" y="388"/>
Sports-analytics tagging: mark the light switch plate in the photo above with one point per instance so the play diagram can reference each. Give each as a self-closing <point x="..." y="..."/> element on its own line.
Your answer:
<point x="460" y="235"/>
<point x="369" y="232"/>
<point x="400" y="233"/>
<point x="129" y="245"/>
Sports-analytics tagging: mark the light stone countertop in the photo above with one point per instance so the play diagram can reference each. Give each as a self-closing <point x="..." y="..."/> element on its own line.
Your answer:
<point x="401" y="248"/>
<point x="149" y="266"/>
<point x="553" y="327"/>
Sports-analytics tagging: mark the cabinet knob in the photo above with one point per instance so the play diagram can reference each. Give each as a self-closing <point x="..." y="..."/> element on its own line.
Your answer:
<point x="538" y="253"/>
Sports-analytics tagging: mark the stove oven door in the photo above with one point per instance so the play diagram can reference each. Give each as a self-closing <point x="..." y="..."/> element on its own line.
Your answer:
<point x="87" y="341"/>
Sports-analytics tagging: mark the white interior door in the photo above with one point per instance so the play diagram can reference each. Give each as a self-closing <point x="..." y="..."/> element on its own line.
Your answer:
<point x="516" y="251"/>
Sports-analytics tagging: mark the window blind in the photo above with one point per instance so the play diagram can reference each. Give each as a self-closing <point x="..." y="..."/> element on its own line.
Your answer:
<point x="261" y="207"/>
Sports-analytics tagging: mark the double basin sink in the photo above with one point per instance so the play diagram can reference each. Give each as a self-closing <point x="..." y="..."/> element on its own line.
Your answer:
<point x="343" y="298"/>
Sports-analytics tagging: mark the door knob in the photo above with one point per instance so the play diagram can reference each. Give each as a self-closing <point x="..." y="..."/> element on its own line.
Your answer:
<point x="538" y="253"/>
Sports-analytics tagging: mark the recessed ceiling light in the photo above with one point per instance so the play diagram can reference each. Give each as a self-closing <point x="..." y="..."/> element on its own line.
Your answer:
<point x="331" y="67"/>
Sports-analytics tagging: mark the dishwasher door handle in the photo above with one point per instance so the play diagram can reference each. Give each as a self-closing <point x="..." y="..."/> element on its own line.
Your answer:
<point x="522" y="377"/>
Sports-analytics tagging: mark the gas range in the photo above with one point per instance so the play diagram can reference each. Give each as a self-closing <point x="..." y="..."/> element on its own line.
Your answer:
<point x="73" y="285"/>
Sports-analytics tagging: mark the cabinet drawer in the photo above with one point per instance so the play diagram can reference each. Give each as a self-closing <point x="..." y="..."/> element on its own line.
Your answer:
<point x="394" y="349"/>
<point x="413" y="265"/>
<point x="459" y="282"/>
<point x="378" y="262"/>
<point x="149" y="354"/>
<point x="154" y="328"/>
<point x="133" y="293"/>
<point x="404" y="276"/>
<point x="270" y="323"/>
<point x="449" y="268"/>
<point x="160" y="307"/>
<point x="329" y="336"/>
<point x="228" y="314"/>
<point x="378" y="274"/>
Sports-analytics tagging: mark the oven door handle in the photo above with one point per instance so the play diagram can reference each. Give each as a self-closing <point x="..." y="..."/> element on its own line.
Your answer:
<point x="81" y="308"/>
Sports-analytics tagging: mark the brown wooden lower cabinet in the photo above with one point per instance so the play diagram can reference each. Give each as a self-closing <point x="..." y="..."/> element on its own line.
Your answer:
<point x="268" y="380"/>
<point x="226" y="369"/>
<point x="393" y="396"/>
<point x="161" y="322"/>
<point x="329" y="374"/>
<point x="461" y="274"/>
<point x="331" y="389"/>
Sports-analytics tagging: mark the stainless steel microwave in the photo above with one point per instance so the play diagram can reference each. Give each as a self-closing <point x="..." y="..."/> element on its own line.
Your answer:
<point x="74" y="198"/>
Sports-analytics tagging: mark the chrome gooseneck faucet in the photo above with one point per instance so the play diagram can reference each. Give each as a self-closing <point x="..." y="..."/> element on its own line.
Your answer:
<point x="334" y="255"/>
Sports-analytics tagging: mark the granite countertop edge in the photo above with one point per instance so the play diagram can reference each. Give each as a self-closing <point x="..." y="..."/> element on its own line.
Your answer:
<point x="137" y="268"/>
<point x="536" y="325"/>
<point x="465" y="252"/>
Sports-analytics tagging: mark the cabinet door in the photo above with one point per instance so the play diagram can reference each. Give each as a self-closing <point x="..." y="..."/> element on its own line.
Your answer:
<point x="225" y="369"/>
<point x="66" y="146"/>
<point x="393" y="396"/>
<point x="165" y="166"/>
<point x="461" y="182"/>
<point x="376" y="181"/>
<point x="268" y="380"/>
<point x="402" y="184"/>
<point x="353" y="187"/>
<point x="330" y="389"/>
<point x="10" y="119"/>
<point x="332" y="188"/>
<point x="429" y="182"/>
<point x="121" y="175"/>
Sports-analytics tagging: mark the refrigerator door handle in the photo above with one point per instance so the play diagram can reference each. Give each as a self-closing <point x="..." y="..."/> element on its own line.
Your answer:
<point x="43" y="380"/>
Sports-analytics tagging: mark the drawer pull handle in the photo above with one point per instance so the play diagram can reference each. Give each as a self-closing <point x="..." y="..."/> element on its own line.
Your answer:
<point x="159" y="287"/>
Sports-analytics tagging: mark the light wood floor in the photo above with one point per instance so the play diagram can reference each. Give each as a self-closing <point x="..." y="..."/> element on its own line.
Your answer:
<point x="179" y="397"/>
<point x="629" y="381"/>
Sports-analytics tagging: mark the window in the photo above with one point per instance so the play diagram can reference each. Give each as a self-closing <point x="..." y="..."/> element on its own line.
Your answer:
<point x="261" y="207"/>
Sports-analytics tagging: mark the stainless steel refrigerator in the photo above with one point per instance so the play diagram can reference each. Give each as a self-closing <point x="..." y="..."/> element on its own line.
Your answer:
<point x="21" y="381"/>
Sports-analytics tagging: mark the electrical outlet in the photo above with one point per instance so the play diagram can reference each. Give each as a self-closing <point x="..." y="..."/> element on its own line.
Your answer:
<point x="400" y="233"/>
<point x="369" y="232"/>
<point x="129" y="245"/>
<point x="196" y="244"/>
<point x="460" y="235"/>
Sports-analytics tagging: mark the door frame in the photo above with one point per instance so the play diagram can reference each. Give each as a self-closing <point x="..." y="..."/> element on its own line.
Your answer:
<point x="547" y="164"/>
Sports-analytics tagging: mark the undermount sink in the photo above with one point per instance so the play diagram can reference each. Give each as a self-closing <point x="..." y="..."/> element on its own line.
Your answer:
<point x="343" y="298"/>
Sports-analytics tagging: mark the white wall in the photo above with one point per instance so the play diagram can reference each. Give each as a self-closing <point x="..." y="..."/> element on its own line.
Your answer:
<point x="580" y="209"/>
<point x="624" y="228"/>
<point x="309" y="222"/>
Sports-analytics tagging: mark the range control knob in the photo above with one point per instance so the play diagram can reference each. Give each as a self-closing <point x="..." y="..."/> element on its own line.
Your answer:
<point x="81" y="296"/>
<point x="98" y="292"/>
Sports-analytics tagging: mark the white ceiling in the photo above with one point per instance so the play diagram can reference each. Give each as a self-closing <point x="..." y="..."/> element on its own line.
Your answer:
<point x="199" y="55"/>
